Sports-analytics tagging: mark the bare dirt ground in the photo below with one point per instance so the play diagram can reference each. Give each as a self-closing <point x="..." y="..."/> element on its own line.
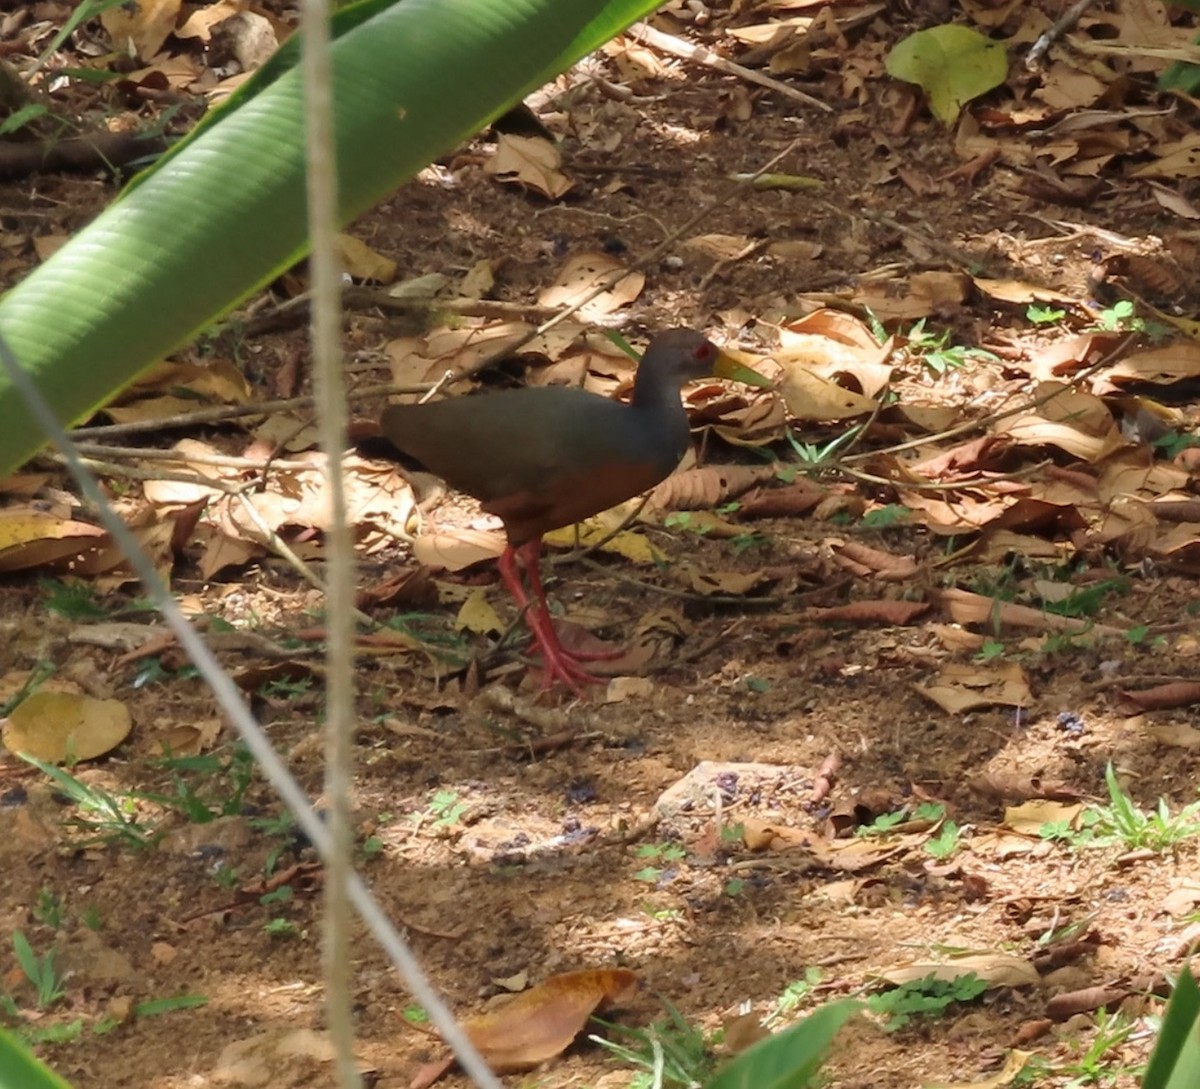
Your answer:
<point x="514" y="838"/>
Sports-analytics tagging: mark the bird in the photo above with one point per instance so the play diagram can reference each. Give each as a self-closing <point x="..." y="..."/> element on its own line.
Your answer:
<point x="540" y="458"/>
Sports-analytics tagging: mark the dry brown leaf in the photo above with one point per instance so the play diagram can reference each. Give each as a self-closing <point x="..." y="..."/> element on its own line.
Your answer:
<point x="456" y="549"/>
<point x="1030" y="817"/>
<point x="358" y="260"/>
<point x="1161" y="366"/>
<point x="965" y="686"/>
<point x="724" y="247"/>
<point x="219" y="381"/>
<point x="707" y="487"/>
<point x="810" y="397"/>
<point x="541" y="1023"/>
<point x="585" y="272"/>
<point x="1179" y="735"/>
<point x="892" y="613"/>
<point x="140" y="27"/>
<point x="865" y="561"/>
<point x="416" y="360"/>
<point x="1179" y="547"/>
<point x="1020" y="293"/>
<point x="1079" y="423"/>
<point x="964" y="607"/>
<point x="531" y="161"/>
<point x="794" y="499"/>
<point x="995" y="969"/>
<point x="202" y="21"/>
<point x="1177" y="694"/>
<point x="733" y="583"/>
<point x="756" y="423"/>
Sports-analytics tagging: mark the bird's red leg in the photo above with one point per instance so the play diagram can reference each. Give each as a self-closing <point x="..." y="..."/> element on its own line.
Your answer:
<point x="532" y="562"/>
<point x="560" y="663"/>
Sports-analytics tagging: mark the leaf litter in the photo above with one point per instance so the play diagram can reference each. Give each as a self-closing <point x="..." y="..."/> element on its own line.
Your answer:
<point x="925" y="549"/>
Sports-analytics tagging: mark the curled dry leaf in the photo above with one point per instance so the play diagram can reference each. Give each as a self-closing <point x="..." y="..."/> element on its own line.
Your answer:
<point x="541" y="1023"/>
<point x="797" y="498"/>
<point x="1160" y="366"/>
<point x="964" y="607"/>
<point x="35" y="538"/>
<point x="1079" y="423"/>
<point x="414" y="360"/>
<point x="707" y="487"/>
<point x="219" y="381"/>
<point x="758" y="424"/>
<point x="60" y="726"/>
<point x="864" y="561"/>
<point x="890" y="613"/>
<point x="532" y="161"/>
<point x="1177" y="694"/>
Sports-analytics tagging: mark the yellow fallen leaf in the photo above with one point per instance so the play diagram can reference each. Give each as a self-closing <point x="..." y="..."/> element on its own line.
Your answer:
<point x="57" y="726"/>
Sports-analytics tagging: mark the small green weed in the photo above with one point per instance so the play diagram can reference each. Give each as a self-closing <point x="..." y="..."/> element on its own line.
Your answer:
<point x="886" y="517"/>
<point x="103" y="816"/>
<point x="886" y="823"/>
<point x="936" y="352"/>
<point x="1092" y="1066"/>
<point x="73" y="599"/>
<point x="811" y="455"/>
<point x="989" y="651"/>
<point x="287" y="689"/>
<point x="665" y="853"/>
<point x="1119" y="318"/>
<point x="224" y="783"/>
<point x="928" y="997"/>
<point x="946" y="842"/>
<point x="669" y="1053"/>
<point x="1174" y="443"/>
<point x="1063" y="642"/>
<point x="49" y="909"/>
<point x="1139" y="636"/>
<point x="40" y="971"/>
<point x="444" y="807"/>
<point x="1044" y="315"/>
<point x="687" y="520"/>
<point x="281" y="928"/>
<point x="152" y="671"/>
<point x="1122" y="823"/>
<point x="795" y="994"/>
<point x="1086" y="603"/>
<point x="40" y="673"/>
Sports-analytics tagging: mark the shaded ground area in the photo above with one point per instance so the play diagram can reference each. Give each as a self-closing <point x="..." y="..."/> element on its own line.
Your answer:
<point x="515" y="838"/>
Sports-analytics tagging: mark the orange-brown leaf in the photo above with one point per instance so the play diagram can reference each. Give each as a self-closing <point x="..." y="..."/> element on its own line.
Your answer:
<point x="541" y="1022"/>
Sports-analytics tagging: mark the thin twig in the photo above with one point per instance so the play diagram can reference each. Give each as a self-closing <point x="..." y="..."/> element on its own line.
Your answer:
<point x="677" y="47"/>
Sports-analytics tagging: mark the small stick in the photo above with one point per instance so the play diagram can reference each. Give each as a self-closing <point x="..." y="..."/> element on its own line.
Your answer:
<point x="1033" y="59"/>
<point x="677" y="47"/>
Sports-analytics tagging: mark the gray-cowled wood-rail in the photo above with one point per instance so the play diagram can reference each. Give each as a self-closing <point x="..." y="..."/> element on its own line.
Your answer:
<point x="541" y="458"/>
